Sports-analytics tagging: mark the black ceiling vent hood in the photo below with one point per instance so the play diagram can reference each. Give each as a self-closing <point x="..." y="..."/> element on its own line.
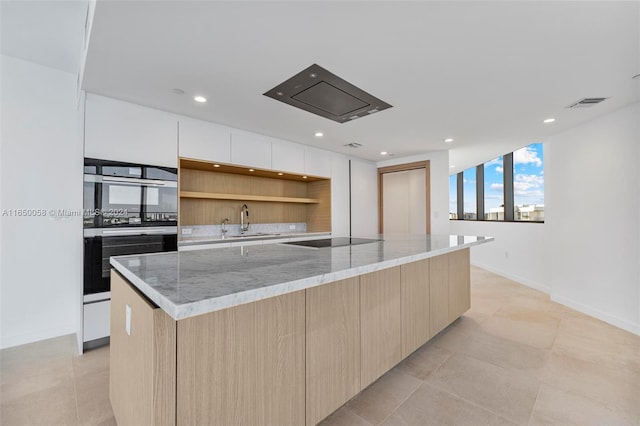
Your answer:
<point x="323" y="93"/>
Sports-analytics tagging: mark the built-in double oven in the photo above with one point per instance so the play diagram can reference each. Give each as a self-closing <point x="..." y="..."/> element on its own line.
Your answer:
<point x="128" y="209"/>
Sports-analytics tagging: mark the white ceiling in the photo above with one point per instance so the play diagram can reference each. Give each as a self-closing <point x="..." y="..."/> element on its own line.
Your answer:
<point x="483" y="73"/>
<point x="49" y="33"/>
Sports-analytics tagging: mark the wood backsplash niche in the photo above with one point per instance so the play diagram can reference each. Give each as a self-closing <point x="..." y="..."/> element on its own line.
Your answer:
<point x="208" y="196"/>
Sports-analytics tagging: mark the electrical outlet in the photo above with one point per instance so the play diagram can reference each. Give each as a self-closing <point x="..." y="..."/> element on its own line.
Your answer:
<point x="186" y="231"/>
<point x="127" y="319"/>
<point x="292" y="227"/>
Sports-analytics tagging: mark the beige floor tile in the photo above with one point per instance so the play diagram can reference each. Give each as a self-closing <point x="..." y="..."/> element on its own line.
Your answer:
<point x="558" y="407"/>
<point x="507" y="392"/>
<point x="430" y="406"/>
<point x="525" y="326"/>
<point x="92" y="394"/>
<point x="36" y="358"/>
<point x="377" y="401"/>
<point x="424" y="361"/>
<point x="506" y="353"/>
<point x="344" y="417"/>
<point x="610" y="386"/>
<point x="52" y="406"/>
<point x="92" y="361"/>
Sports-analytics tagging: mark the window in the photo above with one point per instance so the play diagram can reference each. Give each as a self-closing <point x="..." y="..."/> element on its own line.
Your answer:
<point x="469" y="192"/>
<point x="508" y="188"/>
<point x="494" y="189"/>
<point x="528" y="183"/>
<point x="453" y="197"/>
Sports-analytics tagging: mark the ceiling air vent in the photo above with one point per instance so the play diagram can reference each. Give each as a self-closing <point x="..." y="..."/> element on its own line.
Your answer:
<point x="586" y="102"/>
<point x="353" y="145"/>
<point x="323" y="93"/>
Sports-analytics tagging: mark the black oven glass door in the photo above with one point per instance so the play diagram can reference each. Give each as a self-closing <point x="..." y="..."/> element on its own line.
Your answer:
<point x="137" y="202"/>
<point x="98" y="250"/>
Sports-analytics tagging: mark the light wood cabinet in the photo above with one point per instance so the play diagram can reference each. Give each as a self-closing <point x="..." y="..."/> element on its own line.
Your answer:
<point x="142" y="359"/>
<point x="438" y="293"/>
<point x="244" y="365"/>
<point x="380" y="322"/>
<point x="210" y="194"/>
<point x="285" y="360"/>
<point x="333" y="347"/>
<point x="459" y="283"/>
<point x="414" y="292"/>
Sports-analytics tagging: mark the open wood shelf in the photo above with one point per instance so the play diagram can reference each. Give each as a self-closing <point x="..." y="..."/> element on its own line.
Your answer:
<point x="245" y="197"/>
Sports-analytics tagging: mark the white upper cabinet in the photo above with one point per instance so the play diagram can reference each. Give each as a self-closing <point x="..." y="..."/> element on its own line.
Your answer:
<point x="250" y="149"/>
<point x="339" y="196"/>
<point x="317" y="162"/>
<point x="121" y="131"/>
<point x="287" y="156"/>
<point x="364" y="199"/>
<point x="202" y="140"/>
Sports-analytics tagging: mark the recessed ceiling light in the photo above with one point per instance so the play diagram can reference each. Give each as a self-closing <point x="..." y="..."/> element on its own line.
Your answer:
<point x="549" y="120"/>
<point x="304" y="177"/>
<point x="452" y="166"/>
<point x="200" y="99"/>
<point x="319" y="134"/>
<point x="383" y="152"/>
<point x="216" y="165"/>
<point x="448" y="140"/>
<point x="280" y="173"/>
<point x="251" y="170"/>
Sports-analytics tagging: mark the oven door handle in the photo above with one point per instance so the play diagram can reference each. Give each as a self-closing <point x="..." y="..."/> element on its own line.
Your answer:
<point x="117" y="232"/>
<point x="135" y="181"/>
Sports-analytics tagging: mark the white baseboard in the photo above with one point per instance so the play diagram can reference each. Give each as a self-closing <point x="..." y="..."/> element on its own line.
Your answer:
<point x="23" y="339"/>
<point x="524" y="281"/>
<point x="603" y="316"/>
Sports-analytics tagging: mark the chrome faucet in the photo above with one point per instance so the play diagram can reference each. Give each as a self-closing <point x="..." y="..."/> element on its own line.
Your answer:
<point x="244" y="215"/>
<point x="223" y="224"/>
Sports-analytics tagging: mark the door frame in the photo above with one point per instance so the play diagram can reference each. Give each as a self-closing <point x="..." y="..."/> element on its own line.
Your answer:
<point x="401" y="168"/>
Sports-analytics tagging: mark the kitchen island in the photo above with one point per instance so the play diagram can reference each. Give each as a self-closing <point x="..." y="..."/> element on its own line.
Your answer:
<point x="276" y="333"/>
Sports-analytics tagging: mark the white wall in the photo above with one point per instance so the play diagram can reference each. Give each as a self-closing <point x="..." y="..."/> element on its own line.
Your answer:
<point x="592" y="194"/>
<point x="519" y="251"/>
<point x="41" y="158"/>
<point x="587" y="253"/>
<point x="439" y="169"/>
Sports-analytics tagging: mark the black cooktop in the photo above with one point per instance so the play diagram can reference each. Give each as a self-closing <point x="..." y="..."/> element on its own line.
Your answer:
<point x="333" y="242"/>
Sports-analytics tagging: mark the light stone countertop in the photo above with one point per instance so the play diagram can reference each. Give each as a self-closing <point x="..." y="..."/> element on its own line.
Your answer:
<point x="216" y="239"/>
<point x="190" y="283"/>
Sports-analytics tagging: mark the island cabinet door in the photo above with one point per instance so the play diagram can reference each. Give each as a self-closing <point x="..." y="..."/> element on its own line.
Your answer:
<point x="142" y="359"/>
<point x="438" y="293"/>
<point x="459" y="284"/>
<point x="380" y="323"/>
<point x="243" y="365"/>
<point x="333" y="347"/>
<point x="415" y="305"/>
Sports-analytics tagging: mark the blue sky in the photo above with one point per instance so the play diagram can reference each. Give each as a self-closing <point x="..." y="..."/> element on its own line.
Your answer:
<point x="528" y="180"/>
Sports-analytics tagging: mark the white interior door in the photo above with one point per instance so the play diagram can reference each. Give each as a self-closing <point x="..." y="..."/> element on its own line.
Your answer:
<point x="404" y="202"/>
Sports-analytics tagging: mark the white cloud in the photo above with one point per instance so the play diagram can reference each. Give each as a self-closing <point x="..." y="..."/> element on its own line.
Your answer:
<point x="499" y="169"/>
<point x="497" y="186"/>
<point x="494" y="161"/>
<point x="527" y="155"/>
<point x="528" y="184"/>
